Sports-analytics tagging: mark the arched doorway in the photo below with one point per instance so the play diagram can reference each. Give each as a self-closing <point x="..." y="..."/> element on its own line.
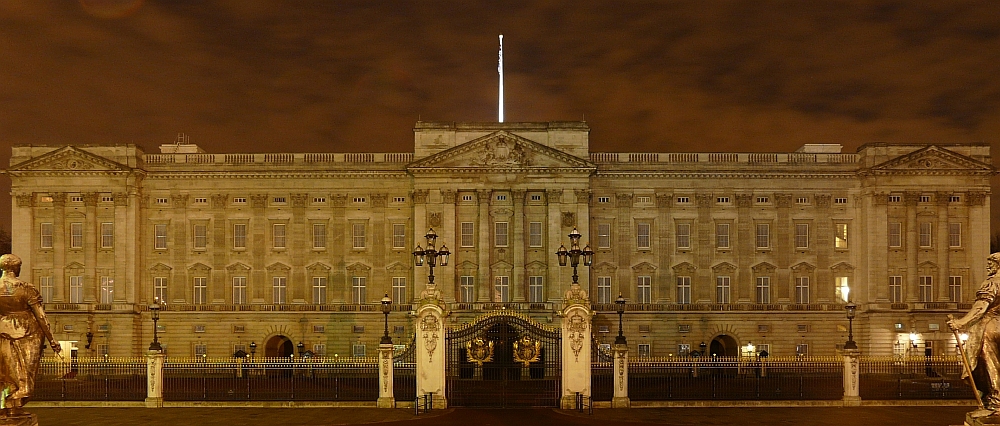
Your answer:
<point x="278" y="347"/>
<point x="723" y="345"/>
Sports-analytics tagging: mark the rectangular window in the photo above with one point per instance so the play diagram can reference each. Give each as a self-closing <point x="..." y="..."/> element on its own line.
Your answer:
<point x="926" y="288"/>
<point x="955" y="288"/>
<point x="319" y="349"/>
<point x="398" y="236"/>
<point x="278" y="235"/>
<point x="840" y="235"/>
<point x="802" y="290"/>
<point x="358" y="285"/>
<point x="201" y="350"/>
<point x="200" y="237"/>
<point x="468" y="234"/>
<point x="603" y="199"/>
<point x="644" y="289"/>
<point x="895" y="234"/>
<point x="107" y="290"/>
<point x="534" y="234"/>
<point x="319" y="235"/>
<point x="802" y="349"/>
<point x="684" y="290"/>
<point x="160" y="237"/>
<point x="500" y="234"/>
<point x="722" y="235"/>
<point x="107" y="235"/>
<point x="239" y="290"/>
<point x="603" y="289"/>
<point x="358" y="350"/>
<point x="763" y="290"/>
<point x="842" y="289"/>
<point x="200" y="290"/>
<point x="763" y="240"/>
<point x="683" y="200"/>
<point x="925" y="198"/>
<point x="954" y="235"/>
<point x="239" y="236"/>
<point x="925" y="234"/>
<point x="358" y="235"/>
<point x="683" y="236"/>
<point x="535" y="291"/>
<point x="467" y="286"/>
<point x="399" y="290"/>
<point x="160" y="289"/>
<point x="319" y="290"/>
<point x="76" y="289"/>
<point x="279" y="290"/>
<point x="801" y="235"/>
<point x="45" y="284"/>
<point x="642" y="236"/>
<point x="722" y="200"/>
<point x="722" y="290"/>
<point x="501" y="289"/>
<point x="895" y="289"/>
<point x="45" y="231"/>
<point x="644" y="350"/>
<point x="76" y="235"/>
<point x="604" y="235"/>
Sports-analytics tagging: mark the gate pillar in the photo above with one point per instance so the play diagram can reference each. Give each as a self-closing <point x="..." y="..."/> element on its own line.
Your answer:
<point x="385" y="377"/>
<point x="852" y="395"/>
<point x="576" y="343"/>
<point x="431" y="351"/>
<point x="620" y="399"/>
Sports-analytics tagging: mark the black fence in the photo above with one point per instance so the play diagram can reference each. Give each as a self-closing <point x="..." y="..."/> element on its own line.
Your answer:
<point x="91" y="379"/>
<point x="934" y="377"/>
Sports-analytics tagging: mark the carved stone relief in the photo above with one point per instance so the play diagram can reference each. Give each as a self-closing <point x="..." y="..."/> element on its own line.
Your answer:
<point x="429" y="327"/>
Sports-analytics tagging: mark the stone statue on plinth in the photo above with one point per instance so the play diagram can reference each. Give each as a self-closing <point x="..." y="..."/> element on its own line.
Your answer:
<point x="22" y="327"/>
<point x="982" y="349"/>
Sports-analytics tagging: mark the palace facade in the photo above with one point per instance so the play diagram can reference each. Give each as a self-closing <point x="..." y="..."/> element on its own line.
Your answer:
<point x="721" y="253"/>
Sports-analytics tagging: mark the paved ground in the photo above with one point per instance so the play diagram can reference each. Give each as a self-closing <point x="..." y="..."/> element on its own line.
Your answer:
<point x="818" y="416"/>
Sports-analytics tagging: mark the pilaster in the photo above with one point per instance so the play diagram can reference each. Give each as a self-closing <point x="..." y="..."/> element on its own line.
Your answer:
<point x="576" y="346"/>
<point x="620" y="399"/>
<point x="431" y="349"/>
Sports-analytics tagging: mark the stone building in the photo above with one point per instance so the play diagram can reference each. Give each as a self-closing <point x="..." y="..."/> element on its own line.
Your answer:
<point x="714" y="252"/>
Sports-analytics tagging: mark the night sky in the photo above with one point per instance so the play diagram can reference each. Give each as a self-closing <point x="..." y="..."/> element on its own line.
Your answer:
<point x="325" y="76"/>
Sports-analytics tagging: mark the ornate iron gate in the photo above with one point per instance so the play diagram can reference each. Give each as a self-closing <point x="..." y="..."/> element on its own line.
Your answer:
<point x="504" y="359"/>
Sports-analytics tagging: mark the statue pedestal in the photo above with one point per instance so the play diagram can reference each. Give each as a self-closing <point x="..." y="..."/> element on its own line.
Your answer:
<point x="26" y="419"/>
<point x="972" y="419"/>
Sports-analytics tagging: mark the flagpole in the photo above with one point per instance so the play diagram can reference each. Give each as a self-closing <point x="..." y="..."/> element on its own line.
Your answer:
<point x="500" y="70"/>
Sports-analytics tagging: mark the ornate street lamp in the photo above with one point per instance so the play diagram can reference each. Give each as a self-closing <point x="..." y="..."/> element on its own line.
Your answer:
<point x="301" y="347"/>
<point x="620" y="305"/>
<point x="430" y="255"/>
<point x="386" y="307"/>
<point x="155" y="309"/>
<point x="574" y="253"/>
<point x="253" y="349"/>
<point x="851" y="310"/>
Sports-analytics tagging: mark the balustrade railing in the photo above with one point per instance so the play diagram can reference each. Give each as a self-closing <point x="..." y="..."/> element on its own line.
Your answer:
<point x="917" y="377"/>
<point x="91" y="379"/>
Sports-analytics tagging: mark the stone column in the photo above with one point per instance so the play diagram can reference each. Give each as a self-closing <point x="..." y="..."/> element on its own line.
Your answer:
<point x="431" y="348"/>
<point x="781" y="243"/>
<point x="484" y="288"/>
<point x="704" y="248"/>
<point x="746" y="244"/>
<point x="620" y="399"/>
<point x="60" y="284"/>
<point x="91" y="233"/>
<point x="665" y="248"/>
<point x="518" y="283"/>
<point x="337" y="247"/>
<point x="911" y="242"/>
<point x="25" y="244"/>
<point x="385" y="378"/>
<point x="852" y="395"/>
<point x="154" y="379"/>
<point x="942" y="247"/>
<point x="576" y="344"/>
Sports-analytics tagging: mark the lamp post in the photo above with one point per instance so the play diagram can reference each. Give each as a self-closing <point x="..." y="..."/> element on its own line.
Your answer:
<point x="620" y="306"/>
<point x="301" y="347"/>
<point x="574" y="253"/>
<point x="155" y="309"/>
<point x="253" y="349"/>
<point x="851" y="310"/>
<point x="386" y="307"/>
<point x="430" y="255"/>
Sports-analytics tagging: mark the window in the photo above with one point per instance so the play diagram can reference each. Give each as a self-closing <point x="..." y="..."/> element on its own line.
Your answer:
<point x="239" y="290"/>
<point x="200" y="290"/>
<point x="683" y="200"/>
<point x="683" y="349"/>
<point x="925" y="234"/>
<point x="762" y="200"/>
<point x="502" y="197"/>
<point x="895" y="289"/>
<point x="240" y="236"/>
<point x="604" y="235"/>
<point x="954" y="235"/>
<point x="842" y="289"/>
<point x="722" y="235"/>
<point x="201" y="349"/>
<point x="642" y="235"/>
<point x="955" y="288"/>
<point x="160" y="289"/>
<point x="925" y="198"/>
<point x="466" y="198"/>
<point x="500" y="232"/>
<point x="722" y="289"/>
<point x="722" y="200"/>
<point x="358" y="290"/>
<point x="107" y="290"/>
<point x="279" y="289"/>
<point x="895" y="198"/>
<point x="45" y="284"/>
<point x="278" y="200"/>
<point x="107" y="235"/>
<point x="683" y="236"/>
<point x="103" y="350"/>
<point x="955" y="199"/>
<point x="239" y="200"/>
<point x="644" y="289"/>
<point x="278" y="235"/>
<point x="763" y="290"/>
<point x="398" y="236"/>
<point x="603" y="289"/>
<point x="684" y="290"/>
<point x="319" y="235"/>
<point x="501" y="288"/>
<point x="802" y="349"/>
<point x="801" y="235"/>
<point x="162" y="200"/>
<point x="160" y="237"/>
<point x="842" y="200"/>
<point x="763" y="240"/>
<point x="467" y="285"/>
<point x="200" y="236"/>
<point x="802" y="290"/>
<point x="399" y="290"/>
<point x="76" y="198"/>
<point x="319" y="200"/>
<point x="644" y="350"/>
<point x="642" y="199"/>
<point x="358" y="235"/>
<point x="201" y="200"/>
<point x="535" y="290"/>
<point x="359" y="200"/>
<point x="468" y="231"/>
<point x="535" y="234"/>
<point x="319" y="290"/>
<point x="319" y="349"/>
<point x="399" y="199"/>
<point x="358" y="350"/>
<point x="603" y="199"/>
<point x="926" y="288"/>
<point x="802" y="200"/>
<point x="840" y="235"/>
<point x="895" y="234"/>
<point x="45" y="231"/>
<point x="76" y="235"/>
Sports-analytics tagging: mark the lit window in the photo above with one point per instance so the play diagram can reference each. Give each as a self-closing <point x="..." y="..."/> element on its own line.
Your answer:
<point x="842" y="289"/>
<point x="535" y="289"/>
<point x="840" y="237"/>
<point x="722" y="289"/>
<point x="603" y="289"/>
<point x="467" y="288"/>
<point x="501" y="289"/>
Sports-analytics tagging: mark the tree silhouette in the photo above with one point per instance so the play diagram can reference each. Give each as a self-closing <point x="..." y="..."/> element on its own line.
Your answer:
<point x="4" y="242"/>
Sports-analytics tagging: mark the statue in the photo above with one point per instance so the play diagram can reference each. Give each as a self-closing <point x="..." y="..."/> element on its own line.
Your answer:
<point x="983" y="347"/>
<point x="22" y="326"/>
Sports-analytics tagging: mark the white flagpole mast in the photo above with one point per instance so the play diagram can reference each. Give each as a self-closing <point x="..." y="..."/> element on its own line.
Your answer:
<point x="500" y="70"/>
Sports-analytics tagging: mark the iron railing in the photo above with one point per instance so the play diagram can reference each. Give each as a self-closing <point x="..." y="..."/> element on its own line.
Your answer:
<point x="91" y="379"/>
<point x="917" y="377"/>
<point x="404" y="373"/>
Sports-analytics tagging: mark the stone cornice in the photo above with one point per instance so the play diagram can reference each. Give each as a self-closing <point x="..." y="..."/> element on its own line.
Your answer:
<point x="271" y="175"/>
<point x="722" y="175"/>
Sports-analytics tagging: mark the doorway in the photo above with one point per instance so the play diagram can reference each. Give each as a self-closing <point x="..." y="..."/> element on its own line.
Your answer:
<point x="278" y="347"/>
<point x="724" y="345"/>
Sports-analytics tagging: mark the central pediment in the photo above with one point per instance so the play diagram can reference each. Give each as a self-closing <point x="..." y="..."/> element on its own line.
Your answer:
<point x="502" y="150"/>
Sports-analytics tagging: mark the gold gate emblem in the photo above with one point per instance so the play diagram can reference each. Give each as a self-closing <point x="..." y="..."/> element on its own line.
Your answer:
<point x="479" y="350"/>
<point x="527" y="350"/>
